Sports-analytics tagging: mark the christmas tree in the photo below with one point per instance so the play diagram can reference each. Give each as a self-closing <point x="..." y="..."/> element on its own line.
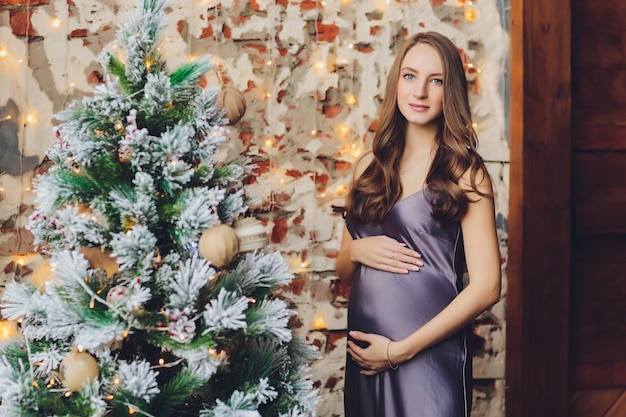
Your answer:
<point x="153" y="300"/>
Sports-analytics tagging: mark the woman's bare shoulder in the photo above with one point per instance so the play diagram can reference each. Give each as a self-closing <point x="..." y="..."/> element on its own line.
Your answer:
<point x="363" y="162"/>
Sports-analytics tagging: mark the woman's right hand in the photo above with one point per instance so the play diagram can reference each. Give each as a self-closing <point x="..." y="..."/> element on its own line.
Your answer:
<point x="385" y="253"/>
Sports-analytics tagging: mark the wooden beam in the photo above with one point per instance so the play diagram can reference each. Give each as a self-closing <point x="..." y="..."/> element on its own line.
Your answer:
<point x="539" y="218"/>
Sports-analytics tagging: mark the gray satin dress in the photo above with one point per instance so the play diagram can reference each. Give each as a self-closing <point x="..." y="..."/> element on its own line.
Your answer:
<point x="437" y="381"/>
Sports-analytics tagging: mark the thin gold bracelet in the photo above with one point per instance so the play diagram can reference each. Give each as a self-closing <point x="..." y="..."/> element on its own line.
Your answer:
<point x="389" y="361"/>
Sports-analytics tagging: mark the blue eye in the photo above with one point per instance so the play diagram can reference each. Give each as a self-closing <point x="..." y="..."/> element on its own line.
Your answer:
<point x="437" y="81"/>
<point x="408" y="76"/>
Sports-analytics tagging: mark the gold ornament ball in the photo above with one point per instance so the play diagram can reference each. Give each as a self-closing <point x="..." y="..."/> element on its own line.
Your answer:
<point x="100" y="259"/>
<point x="251" y="234"/>
<point x="234" y="102"/>
<point x="219" y="244"/>
<point x="44" y="274"/>
<point x="78" y="368"/>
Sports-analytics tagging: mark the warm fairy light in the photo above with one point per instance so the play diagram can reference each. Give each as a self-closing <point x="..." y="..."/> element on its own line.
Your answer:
<point x="350" y="100"/>
<point x="161" y="361"/>
<point x="3" y="53"/>
<point x="92" y="303"/>
<point x="77" y="170"/>
<point x="344" y="130"/>
<point x="213" y="352"/>
<point x="148" y="64"/>
<point x="269" y="62"/>
<point x="471" y="14"/>
<point x="30" y="118"/>
<point x="116" y="380"/>
<point x="319" y="323"/>
<point x="7" y="117"/>
<point x="342" y="189"/>
<point x="8" y="329"/>
<point x="460" y="2"/>
<point x="323" y="3"/>
<point x="322" y="195"/>
<point x="269" y="142"/>
<point x="213" y="277"/>
<point x="345" y="1"/>
<point x="474" y="125"/>
<point x="252" y="300"/>
<point x="80" y="348"/>
<point x="320" y="65"/>
<point x="267" y="95"/>
<point x="131" y="410"/>
<point x="119" y="125"/>
<point x="314" y="132"/>
<point x="68" y="393"/>
<point x="55" y="22"/>
<point x="27" y="189"/>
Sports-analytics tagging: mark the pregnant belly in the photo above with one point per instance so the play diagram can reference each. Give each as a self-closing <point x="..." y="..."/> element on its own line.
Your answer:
<point x="395" y="305"/>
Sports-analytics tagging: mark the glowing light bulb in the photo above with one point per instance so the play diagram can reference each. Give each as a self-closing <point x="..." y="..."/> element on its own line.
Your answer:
<point x="319" y="323"/>
<point x="30" y="119"/>
<point x="161" y="361"/>
<point x="471" y="14"/>
<point x="3" y="53"/>
<point x="350" y="100"/>
<point x="269" y="142"/>
<point x="314" y="132"/>
<point x="269" y="62"/>
<point x="319" y="65"/>
<point x="55" y="22"/>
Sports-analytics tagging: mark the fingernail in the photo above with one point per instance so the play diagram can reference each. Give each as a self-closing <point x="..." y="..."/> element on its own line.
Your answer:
<point x="414" y="268"/>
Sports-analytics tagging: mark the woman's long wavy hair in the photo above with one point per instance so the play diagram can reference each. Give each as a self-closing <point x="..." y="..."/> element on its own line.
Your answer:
<point x="375" y="192"/>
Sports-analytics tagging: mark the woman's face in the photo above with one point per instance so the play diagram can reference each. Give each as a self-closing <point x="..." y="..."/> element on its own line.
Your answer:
<point x="420" y="86"/>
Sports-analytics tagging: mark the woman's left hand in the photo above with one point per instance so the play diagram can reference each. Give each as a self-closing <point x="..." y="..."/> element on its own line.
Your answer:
<point x="373" y="359"/>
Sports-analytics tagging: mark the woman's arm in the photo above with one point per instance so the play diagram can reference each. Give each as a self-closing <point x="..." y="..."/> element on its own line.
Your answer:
<point x="379" y="252"/>
<point x="483" y="264"/>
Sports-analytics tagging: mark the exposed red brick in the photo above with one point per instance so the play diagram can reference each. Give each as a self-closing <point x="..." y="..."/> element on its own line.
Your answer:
<point x="284" y="3"/>
<point x="9" y="268"/>
<point x="106" y="28"/>
<point x="20" y="22"/>
<point x="78" y="33"/>
<point x="332" y="111"/>
<point x="296" y="286"/>
<point x="422" y="24"/>
<point x="364" y="48"/>
<point x="87" y="42"/>
<point x="279" y="231"/>
<point x="95" y="77"/>
<point x="23" y="3"/>
<point x="254" y="5"/>
<point x="281" y="95"/>
<point x="262" y="167"/>
<point x="294" y="173"/>
<point x="331" y="382"/>
<point x="283" y="51"/>
<point x="308" y="5"/>
<point x="341" y="291"/>
<point x="322" y="179"/>
<point x="202" y="82"/>
<point x="249" y="86"/>
<point x="228" y="34"/>
<point x="374" y="30"/>
<point x="259" y="47"/>
<point x="333" y="338"/>
<point x="373" y="127"/>
<point x="298" y="221"/>
<point x="437" y="2"/>
<point x="207" y="32"/>
<point x="343" y="166"/>
<point x="240" y="20"/>
<point x="180" y="26"/>
<point x="327" y="33"/>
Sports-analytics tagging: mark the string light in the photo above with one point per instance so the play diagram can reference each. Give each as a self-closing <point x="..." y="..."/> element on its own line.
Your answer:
<point x="3" y="53"/>
<point x="55" y="22"/>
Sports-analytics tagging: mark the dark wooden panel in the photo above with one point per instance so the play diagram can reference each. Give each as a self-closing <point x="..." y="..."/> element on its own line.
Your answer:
<point x="602" y="319"/>
<point x="594" y="403"/>
<point x="600" y="218"/>
<point x="599" y="88"/>
<point x="606" y="375"/>
<point x="595" y="250"/>
<point x="598" y="350"/>
<point x="598" y="14"/>
<point x="598" y="138"/>
<point x="594" y="49"/>
<point x="599" y="168"/>
<point x="603" y="116"/>
<point x="539" y="209"/>
<point x="608" y="193"/>
<point x="603" y="280"/>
